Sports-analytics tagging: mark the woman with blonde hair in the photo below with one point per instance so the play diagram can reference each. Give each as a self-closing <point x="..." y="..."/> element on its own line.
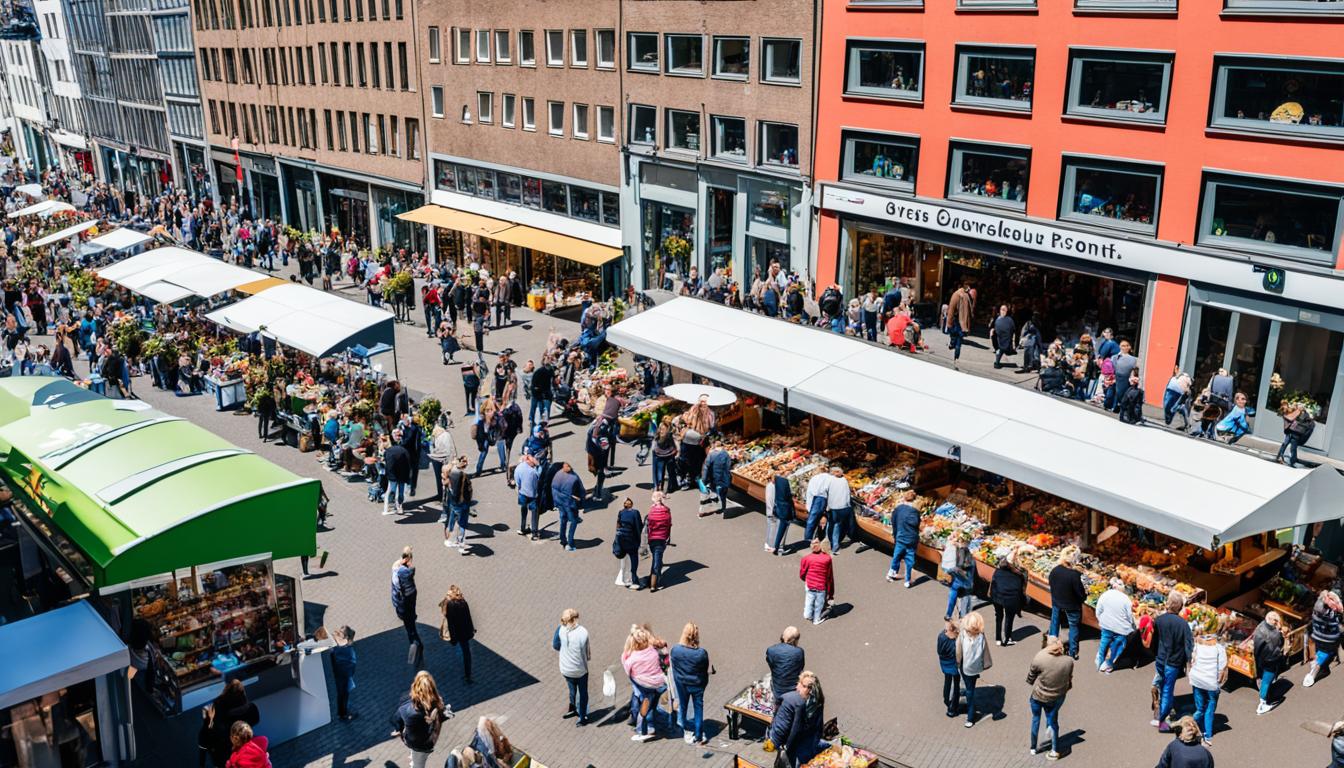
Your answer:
<point x="488" y="430"/>
<point x="973" y="659"/>
<point x="643" y="662"/>
<point x="419" y="718"/>
<point x="457" y="627"/>
<point x="690" y="672"/>
<point x="700" y="417"/>
<point x="571" y="642"/>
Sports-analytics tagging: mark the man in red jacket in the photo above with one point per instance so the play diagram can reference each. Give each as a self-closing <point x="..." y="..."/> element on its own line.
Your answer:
<point x="815" y="571"/>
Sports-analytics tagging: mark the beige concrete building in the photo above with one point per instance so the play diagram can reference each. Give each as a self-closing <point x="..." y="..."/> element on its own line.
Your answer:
<point x="324" y="101"/>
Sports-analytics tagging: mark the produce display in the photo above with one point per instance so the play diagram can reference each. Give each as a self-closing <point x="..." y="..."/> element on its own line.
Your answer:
<point x="758" y="698"/>
<point x="843" y="756"/>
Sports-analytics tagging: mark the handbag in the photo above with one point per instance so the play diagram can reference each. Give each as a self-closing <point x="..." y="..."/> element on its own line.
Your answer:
<point x="415" y="654"/>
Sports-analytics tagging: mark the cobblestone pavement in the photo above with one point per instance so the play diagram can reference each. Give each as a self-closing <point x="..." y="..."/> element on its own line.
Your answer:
<point x="875" y="658"/>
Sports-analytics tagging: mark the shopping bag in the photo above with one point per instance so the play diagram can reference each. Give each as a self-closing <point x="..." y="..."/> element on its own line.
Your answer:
<point x="415" y="654"/>
<point x="608" y="684"/>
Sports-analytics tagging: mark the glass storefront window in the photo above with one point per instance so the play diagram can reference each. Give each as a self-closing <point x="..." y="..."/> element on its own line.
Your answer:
<point x="985" y="173"/>
<point x="669" y="241"/>
<point x="719" y="204"/>
<point x="531" y="192"/>
<point x="1113" y="195"/>
<point x="58" y="729"/>
<point x="585" y="202"/>
<point x="885" y="68"/>
<point x="762" y="252"/>
<point x="611" y="209"/>
<point x="1293" y="220"/>
<point x="554" y="197"/>
<point x="996" y="77"/>
<point x="1303" y="98"/>
<point x="1120" y="85"/>
<point x="1305" y="368"/>
<point x="881" y="259"/>
<point x="510" y="188"/>
<point x="878" y="159"/>
<point x="485" y="183"/>
<point x="466" y="180"/>
<point x="445" y="175"/>
<point x="768" y="204"/>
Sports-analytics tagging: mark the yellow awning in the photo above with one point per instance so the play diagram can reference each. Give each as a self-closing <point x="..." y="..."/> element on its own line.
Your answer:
<point x="257" y="286"/>
<point x="564" y="246"/>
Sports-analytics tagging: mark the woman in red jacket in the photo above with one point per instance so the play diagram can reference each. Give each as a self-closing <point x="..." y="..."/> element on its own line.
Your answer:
<point x="658" y="527"/>
<point x="815" y="571"/>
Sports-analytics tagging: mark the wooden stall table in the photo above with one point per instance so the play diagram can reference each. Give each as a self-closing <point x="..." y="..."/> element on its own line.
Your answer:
<point x="738" y="708"/>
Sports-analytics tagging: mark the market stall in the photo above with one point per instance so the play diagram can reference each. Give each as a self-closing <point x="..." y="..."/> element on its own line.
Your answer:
<point x="171" y="273"/>
<point x="176" y="531"/>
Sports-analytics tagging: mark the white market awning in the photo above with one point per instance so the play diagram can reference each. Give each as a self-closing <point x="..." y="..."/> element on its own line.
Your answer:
<point x="120" y="239"/>
<point x="308" y="320"/>
<point x="32" y="190"/>
<point x="172" y="270"/>
<point x="68" y="232"/>
<point x="44" y="208"/>
<point x="1189" y="489"/>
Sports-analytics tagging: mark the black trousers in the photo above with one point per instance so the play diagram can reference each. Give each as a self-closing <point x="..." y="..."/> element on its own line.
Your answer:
<point x="1003" y="622"/>
<point x="408" y="621"/>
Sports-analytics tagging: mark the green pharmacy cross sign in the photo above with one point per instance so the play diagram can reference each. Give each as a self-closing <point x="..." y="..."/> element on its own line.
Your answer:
<point x="1273" y="279"/>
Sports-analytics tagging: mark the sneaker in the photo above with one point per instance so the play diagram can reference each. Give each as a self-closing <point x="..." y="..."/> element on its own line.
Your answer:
<point x="570" y="548"/>
<point x="635" y="585"/>
<point x="462" y="549"/>
<point x="770" y="549"/>
<point x="1154" y="723"/>
<point x="582" y="721"/>
<point x="689" y="738"/>
<point x="1165" y="727"/>
<point x="641" y="737"/>
<point x="999" y="643"/>
<point x="448" y="543"/>
<point x="1264" y="708"/>
<point x="1110" y="670"/>
<point x="1053" y="755"/>
<point x="622" y="583"/>
<point x="1207" y="742"/>
<point x="521" y="531"/>
<point x="1007" y="643"/>
<point x="891" y="575"/>
<point x="1031" y="750"/>
<point x="970" y="724"/>
<point x="389" y="511"/>
<point x="908" y="585"/>
<point x="1310" y="679"/>
<point x="817" y="622"/>
<point x="570" y="713"/>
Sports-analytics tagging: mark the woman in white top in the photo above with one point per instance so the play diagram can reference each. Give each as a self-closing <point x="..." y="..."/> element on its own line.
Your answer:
<point x="1207" y="672"/>
<point x="571" y="641"/>
<point x="1115" y="615"/>
<point x="972" y="659"/>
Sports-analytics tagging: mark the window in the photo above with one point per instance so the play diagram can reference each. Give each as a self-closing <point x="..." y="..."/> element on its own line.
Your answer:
<point x="482" y="46"/>
<point x="506" y="107"/>
<point x="1119" y="85"/>
<point x="643" y="124"/>
<point x="466" y="114"/>
<point x="403" y="67"/>
<point x="436" y="100"/>
<point x="999" y="78"/>
<point x="579" y="129"/>
<point x="434" y="45"/>
<point x="1297" y="98"/>
<point x="1283" y="218"/>
<point x="1125" y="6"/>
<point x="556" y="117"/>
<point x="880" y="159"/>
<point x="555" y="48"/>
<point x="578" y="48"/>
<point x="783" y="61"/>
<point x="643" y="47"/>
<point x="732" y="57"/>
<point x="606" y="124"/>
<point x="1294" y="7"/>
<point x="529" y="114"/>
<point x="989" y="174"/>
<point x="463" y="46"/>
<point x="994" y="4"/>
<point x="1111" y="194"/>
<point x="527" y="48"/>
<point x="502" y="53"/>
<point x="555" y="197"/>
<point x="413" y="137"/>
<point x="611" y="209"/>
<point x="685" y="54"/>
<point x="606" y="48"/>
<point x="730" y="139"/>
<point x="485" y="112"/>
<point x="779" y="144"/>
<point x="683" y="130"/>
<point x="584" y="203"/>
<point x="885" y="68"/>
<point x="510" y="188"/>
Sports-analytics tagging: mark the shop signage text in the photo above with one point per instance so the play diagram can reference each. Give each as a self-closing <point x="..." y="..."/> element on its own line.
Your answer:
<point x="1004" y="231"/>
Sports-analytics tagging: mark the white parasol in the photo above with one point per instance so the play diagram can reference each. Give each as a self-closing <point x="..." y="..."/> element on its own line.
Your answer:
<point x="32" y="190"/>
<point x="691" y="393"/>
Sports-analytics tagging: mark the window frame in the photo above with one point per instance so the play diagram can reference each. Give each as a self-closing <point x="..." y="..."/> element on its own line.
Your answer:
<point x="531" y="36"/>
<point x="766" y="57"/>
<point x="1278" y="8"/>
<point x="462" y="53"/>
<point x="436" y="95"/>
<point x="575" y="132"/>
<point x="1123" y="7"/>
<point x="762" y="145"/>
<point x="575" y="36"/>
<point x="853" y="47"/>
<point x="668" y="40"/>
<point x="714" y="72"/>
<point x="508" y="110"/>
<point x="630" y="48"/>
<point x="529" y="105"/>
<point x="996" y="5"/>
<point x="715" y="137"/>
<point x="610" y="136"/>
<point x="487" y="99"/>
<point x="1068" y="186"/>
<point x="961" y="77"/>
<point x="1078" y="55"/>
<point x="848" y="136"/>
<point x="553" y="60"/>
<point x="1218" y="96"/>
<point x="669" y="127"/>
<point x="598" y="36"/>
<point x="1211" y="178"/>
<point x="435" y="46"/>
<point x="551" y="128"/>
<point x="632" y="136"/>
<point x="503" y="53"/>
<point x="481" y="36"/>
<point x="956" y="151"/>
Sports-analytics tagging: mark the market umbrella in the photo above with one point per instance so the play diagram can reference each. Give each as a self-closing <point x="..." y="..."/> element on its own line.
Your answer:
<point x="691" y="393"/>
<point x="32" y="190"/>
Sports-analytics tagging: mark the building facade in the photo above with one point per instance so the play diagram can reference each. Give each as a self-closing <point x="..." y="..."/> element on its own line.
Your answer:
<point x="717" y="157"/>
<point x="65" y="121"/>
<point x="313" y="112"/>
<point x="523" y="110"/>
<point x="1173" y="172"/>
<point x="25" y="77"/>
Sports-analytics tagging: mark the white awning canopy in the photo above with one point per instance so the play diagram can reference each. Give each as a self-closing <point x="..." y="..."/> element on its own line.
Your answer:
<point x="120" y="239"/>
<point x="177" y="271"/>
<point x="308" y="320"/>
<point x="1192" y="490"/>
<point x="70" y="231"/>
<point x="44" y="208"/>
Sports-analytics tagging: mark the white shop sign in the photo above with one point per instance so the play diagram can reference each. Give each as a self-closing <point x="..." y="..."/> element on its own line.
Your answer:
<point x="1001" y="232"/>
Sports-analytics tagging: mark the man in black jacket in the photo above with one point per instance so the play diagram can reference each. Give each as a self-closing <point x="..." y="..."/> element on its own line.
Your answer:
<point x="797" y="725"/>
<point x="1066" y="597"/>
<point x="412" y="439"/>
<point x="786" y="662"/>
<point x="397" y="465"/>
<point x="543" y="380"/>
<point x="1175" y="647"/>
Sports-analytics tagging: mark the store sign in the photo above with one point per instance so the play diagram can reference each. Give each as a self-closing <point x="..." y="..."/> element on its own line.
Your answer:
<point x="1273" y="279"/>
<point x="999" y="232"/>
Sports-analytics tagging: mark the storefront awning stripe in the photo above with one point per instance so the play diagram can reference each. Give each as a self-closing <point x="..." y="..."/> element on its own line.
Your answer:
<point x="564" y="246"/>
<point x="1189" y="489"/>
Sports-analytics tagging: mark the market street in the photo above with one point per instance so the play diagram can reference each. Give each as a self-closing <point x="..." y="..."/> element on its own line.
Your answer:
<point x="875" y="657"/>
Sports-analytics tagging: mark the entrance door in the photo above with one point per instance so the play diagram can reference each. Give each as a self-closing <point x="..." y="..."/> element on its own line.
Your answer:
<point x="719" y="234"/>
<point x="1306" y="371"/>
<point x="1236" y="342"/>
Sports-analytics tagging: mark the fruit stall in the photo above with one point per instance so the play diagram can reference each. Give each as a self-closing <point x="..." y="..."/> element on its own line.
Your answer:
<point x="842" y="754"/>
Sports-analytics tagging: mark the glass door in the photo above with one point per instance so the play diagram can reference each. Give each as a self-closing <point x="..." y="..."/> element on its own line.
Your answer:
<point x="1306" y="371"/>
<point x="719" y="233"/>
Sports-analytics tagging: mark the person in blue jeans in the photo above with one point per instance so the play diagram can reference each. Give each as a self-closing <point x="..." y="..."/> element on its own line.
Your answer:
<point x="960" y="566"/>
<point x="568" y="495"/>
<point x="343" y="669"/>
<point x="1208" y="673"/>
<point x="1174" y="647"/>
<point x="905" y="532"/>
<point x="816" y="502"/>
<point x="1115" y="615"/>
<point x="779" y="513"/>
<point x="690" y="672"/>
<point x="1325" y="627"/>
<point x="1050" y="678"/>
<point x="1067" y="595"/>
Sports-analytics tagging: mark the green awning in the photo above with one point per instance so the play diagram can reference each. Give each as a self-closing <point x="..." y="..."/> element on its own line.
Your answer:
<point x="141" y="493"/>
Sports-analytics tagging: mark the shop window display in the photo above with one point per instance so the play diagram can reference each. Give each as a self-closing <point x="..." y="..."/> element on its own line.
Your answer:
<point x="531" y="192"/>
<point x="1296" y="221"/>
<point x="586" y="203"/>
<point x="1111" y="196"/>
<point x="768" y="204"/>
<point x="877" y="159"/>
<point x="510" y="188"/>
<point x="1122" y="86"/>
<point x="990" y="174"/>
<point x="1306" y="366"/>
<point x="996" y="77"/>
<point x="611" y="209"/>
<point x="779" y="144"/>
<point x="1302" y="98"/>
<point x="669" y="241"/>
<point x="730" y="139"/>
<point x="881" y="259"/>
<point x="880" y="68"/>
<point x="554" y="197"/>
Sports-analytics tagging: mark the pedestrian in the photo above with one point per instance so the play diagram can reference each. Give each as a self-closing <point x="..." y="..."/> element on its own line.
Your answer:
<point x="478" y="331"/>
<point x="625" y="545"/>
<point x="343" y="670"/>
<point x="387" y="404"/>
<point x="786" y="661"/>
<point x="1008" y="593"/>
<point x="1115" y="615"/>
<point x="457" y="495"/>
<point x="691" y="455"/>
<point x="1002" y="334"/>
<point x="597" y="445"/>
<point x="658" y="532"/>
<point x="1067" y="595"/>
<point x="817" y="486"/>
<point x="526" y="476"/>
<point x="643" y="663"/>
<point x="413" y="440"/>
<point x="229" y="707"/>
<point x="690" y="673"/>
<point x="1298" y="425"/>
<point x="839" y="513"/>
<point x="404" y="595"/>
<point x="947" y="662"/>
<point x="571" y="642"/>
<point x="716" y="475"/>
<point x="1267" y="648"/>
<point x="419" y="717"/>
<point x="542" y="389"/>
<point x="973" y="659"/>
<point x="816" y="572"/>
<point x="1185" y="751"/>
<point x="798" y="721"/>
<point x="905" y="533"/>
<point x="959" y="309"/>
<point x="397" y="461"/>
<point x="1050" y="678"/>
<point x="265" y="411"/>
<point x="568" y="496"/>
<point x="248" y="751"/>
<point x="1175" y="646"/>
<point x="664" y="451"/>
<point x="1126" y="365"/>
<point x="959" y="565"/>
<point x="442" y="451"/>
<point x="1336" y="745"/>
<point x="513" y="426"/>
<point x="1325" y="621"/>
<point x="1176" y="399"/>
<point x="471" y="384"/>
<point x="456" y="627"/>
<point x="778" y="513"/>
<point x="1208" y="673"/>
<point x="488" y="432"/>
